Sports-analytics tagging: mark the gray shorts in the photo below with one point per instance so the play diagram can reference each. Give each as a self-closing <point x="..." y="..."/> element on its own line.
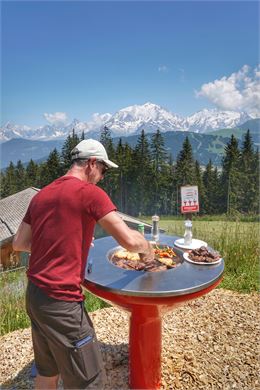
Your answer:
<point x="64" y="339"/>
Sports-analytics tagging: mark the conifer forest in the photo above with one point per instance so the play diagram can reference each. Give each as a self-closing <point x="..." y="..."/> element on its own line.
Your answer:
<point x="148" y="180"/>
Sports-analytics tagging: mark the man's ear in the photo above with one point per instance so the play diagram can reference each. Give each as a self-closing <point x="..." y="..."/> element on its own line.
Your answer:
<point x="92" y="162"/>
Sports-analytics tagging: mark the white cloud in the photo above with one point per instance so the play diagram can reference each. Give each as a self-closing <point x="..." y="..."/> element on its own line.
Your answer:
<point x="57" y="118"/>
<point x="239" y="92"/>
<point x="163" y="69"/>
<point x="98" y="120"/>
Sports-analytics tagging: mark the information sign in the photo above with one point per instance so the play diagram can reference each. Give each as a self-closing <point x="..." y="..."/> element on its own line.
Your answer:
<point x="189" y="199"/>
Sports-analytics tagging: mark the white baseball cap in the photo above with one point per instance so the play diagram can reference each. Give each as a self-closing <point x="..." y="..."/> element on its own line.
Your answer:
<point x="91" y="148"/>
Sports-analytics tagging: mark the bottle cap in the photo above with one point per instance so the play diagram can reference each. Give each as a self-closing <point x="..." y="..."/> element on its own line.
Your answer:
<point x="140" y="227"/>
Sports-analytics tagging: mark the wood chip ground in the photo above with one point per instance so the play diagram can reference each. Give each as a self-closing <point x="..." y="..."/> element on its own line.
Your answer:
<point x="210" y="343"/>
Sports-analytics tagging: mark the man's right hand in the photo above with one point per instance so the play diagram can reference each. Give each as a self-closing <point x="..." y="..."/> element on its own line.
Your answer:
<point x="128" y="238"/>
<point x="148" y="255"/>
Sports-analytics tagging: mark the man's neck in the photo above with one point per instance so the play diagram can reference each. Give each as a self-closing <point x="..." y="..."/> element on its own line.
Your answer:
<point x="78" y="173"/>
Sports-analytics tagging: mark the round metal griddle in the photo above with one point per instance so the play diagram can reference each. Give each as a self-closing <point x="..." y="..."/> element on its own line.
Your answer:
<point x="186" y="278"/>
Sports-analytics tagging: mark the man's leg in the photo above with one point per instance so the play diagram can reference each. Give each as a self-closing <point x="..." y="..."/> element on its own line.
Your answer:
<point x="44" y="368"/>
<point x="64" y="342"/>
<point x="46" y="382"/>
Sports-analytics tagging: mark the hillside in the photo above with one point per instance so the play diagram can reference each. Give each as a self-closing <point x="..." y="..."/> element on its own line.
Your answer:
<point x="24" y="150"/>
<point x="238" y="132"/>
<point x="204" y="146"/>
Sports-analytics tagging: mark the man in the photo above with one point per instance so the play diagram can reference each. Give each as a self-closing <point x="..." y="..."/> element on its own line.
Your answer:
<point x="58" y="229"/>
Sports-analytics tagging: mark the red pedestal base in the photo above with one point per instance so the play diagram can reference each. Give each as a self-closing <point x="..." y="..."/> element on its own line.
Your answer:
<point x="145" y="348"/>
<point x="145" y="331"/>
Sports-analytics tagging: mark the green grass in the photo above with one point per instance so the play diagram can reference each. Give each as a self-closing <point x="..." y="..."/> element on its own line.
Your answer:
<point x="12" y="301"/>
<point x="235" y="217"/>
<point x="237" y="242"/>
<point x="93" y="303"/>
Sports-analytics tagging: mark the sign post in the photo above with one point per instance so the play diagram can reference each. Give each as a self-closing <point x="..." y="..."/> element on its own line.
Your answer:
<point x="189" y="199"/>
<point x="189" y="205"/>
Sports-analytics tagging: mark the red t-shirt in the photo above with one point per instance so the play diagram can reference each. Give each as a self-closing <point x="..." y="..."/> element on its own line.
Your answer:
<point x="62" y="218"/>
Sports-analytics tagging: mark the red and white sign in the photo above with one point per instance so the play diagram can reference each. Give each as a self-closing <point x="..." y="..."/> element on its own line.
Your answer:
<point x="189" y="199"/>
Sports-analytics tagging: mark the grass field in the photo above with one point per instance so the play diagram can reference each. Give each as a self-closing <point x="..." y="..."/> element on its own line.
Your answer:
<point x="237" y="242"/>
<point x="12" y="301"/>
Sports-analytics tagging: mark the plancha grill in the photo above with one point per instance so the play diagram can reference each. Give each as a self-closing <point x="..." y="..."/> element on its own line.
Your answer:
<point x="147" y="296"/>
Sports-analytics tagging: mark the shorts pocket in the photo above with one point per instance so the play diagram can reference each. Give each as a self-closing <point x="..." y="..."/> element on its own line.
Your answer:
<point x="86" y="358"/>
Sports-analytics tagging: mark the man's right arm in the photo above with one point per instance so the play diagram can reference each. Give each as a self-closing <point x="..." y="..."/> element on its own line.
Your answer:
<point x="22" y="239"/>
<point x="128" y="238"/>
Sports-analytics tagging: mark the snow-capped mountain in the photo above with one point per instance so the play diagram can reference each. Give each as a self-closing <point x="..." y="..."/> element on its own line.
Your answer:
<point x="129" y="121"/>
<point x="149" y="116"/>
<point x="11" y="130"/>
<point x="210" y="120"/>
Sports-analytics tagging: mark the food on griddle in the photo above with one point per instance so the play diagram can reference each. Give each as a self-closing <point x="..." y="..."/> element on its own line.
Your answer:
<point x="165" y="251"/>
<point x="163" y="260"/>
<point x="123" y="254"/>
<point x="203" y="255"/>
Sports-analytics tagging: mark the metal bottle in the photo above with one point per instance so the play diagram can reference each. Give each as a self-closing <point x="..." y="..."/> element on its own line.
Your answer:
<point x="188" y="232"/>
<point x="155" y="228"/>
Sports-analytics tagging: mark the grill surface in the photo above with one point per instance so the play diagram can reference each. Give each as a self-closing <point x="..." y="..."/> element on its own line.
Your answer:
<point x="185" y="279"/>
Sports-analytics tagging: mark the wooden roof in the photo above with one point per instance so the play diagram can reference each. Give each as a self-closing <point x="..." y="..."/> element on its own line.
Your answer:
<point x="12" y="211"/>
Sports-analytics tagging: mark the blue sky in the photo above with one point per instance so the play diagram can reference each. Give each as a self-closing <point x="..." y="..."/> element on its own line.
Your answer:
<point x="81" y="57"/>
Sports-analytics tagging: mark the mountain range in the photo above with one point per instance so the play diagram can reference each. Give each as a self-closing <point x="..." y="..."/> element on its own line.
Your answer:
<point x="130" y="121"/>
<point x="205" y="146"/>
<point x="208" y="131"/>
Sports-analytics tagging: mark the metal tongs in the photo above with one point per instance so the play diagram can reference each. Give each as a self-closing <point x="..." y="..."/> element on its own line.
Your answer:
<point x="90" y="263"/>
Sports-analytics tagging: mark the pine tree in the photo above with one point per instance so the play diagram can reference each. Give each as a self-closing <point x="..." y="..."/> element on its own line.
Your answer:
<point x="159" y="159"/>
<point x="109" y="183"/>
<point x="248" y="178"/>
<point x="32" y="174"/>
<point x="53" y="166"/>
<point x="184" y="170"/>
<point x="172" y="187"/>
<point x="42" y="175"/>
<point x="158" y="151"/>
<point x="123" y="159"/>
<point x="128" y="174"/>
<point x="167" y="190"/>
<point x="142" y="177"/>
<point x="51" y="169"/>
<point x="120" y="171"/>
<point x="2" y="184"/>
<point x="20" y="176"/>
<point x="231" y="177"/>
<point x="201" y="189"/>
<point x="211" y="185"/>
<point x="9" y="181"/>
<point x="106" y="140"/>
<point x="70" y="143"/>
<point x="185" y="165"/>
<point x="255" y="198"/>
